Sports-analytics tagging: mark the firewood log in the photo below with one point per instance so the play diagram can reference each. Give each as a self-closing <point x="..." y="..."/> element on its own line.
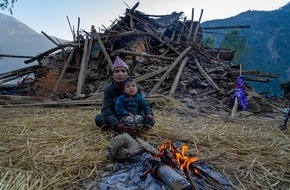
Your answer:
<point x="172" y="178"/>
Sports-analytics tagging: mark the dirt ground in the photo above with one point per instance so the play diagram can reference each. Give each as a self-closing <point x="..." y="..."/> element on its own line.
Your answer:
<point x="60" y="148"/>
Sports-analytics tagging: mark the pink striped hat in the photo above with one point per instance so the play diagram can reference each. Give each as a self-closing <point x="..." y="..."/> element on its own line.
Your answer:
<point x="120" y="63"/>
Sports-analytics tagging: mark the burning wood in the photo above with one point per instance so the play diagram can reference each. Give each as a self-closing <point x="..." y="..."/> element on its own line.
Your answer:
<point x="166" y="168"/>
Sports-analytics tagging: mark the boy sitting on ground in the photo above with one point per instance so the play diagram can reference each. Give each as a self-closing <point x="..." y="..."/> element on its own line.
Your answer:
<point x="129" y="104"/>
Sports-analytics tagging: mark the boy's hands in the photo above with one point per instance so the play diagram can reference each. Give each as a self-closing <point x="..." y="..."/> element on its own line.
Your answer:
<point x="122" y="127"/>
<point x="149" y="116"/>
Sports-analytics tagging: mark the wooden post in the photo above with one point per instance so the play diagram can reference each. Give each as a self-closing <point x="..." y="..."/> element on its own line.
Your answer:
<point x="236" y="102"/>
<point x="197" y="26"/>
<point x="181" y="32"/>
<point x="84" y="64"/>
<point x="191" y="24"/>
<point x="78" y="32"/>
<point x="82" y="69"/>
<point x="235" y="107"/>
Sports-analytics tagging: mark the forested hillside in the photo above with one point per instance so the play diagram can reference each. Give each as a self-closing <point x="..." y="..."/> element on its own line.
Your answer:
<point x="268" y="44"/>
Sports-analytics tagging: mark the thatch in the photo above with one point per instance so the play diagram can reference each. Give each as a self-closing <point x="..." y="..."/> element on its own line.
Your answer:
<point x="60" y="148"/>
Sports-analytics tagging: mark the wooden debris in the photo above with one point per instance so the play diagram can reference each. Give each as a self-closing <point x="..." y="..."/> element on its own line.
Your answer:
<point x="153" y="47"/>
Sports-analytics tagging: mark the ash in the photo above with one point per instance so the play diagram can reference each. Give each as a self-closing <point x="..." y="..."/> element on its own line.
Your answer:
<point x="128" y="176"/>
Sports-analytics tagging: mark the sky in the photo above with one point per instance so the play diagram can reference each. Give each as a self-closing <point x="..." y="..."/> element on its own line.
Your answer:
<point x="50" y="16"/>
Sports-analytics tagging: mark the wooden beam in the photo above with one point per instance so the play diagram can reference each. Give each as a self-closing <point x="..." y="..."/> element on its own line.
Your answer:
<point x="257" y="79"/>
<point x="177" y="77"/>
<point x="48" y="37"/>
<point x="144" y="55"/>
<point x="157" y="85"/>
<point x="59" y="104"/>
<point x="73" y="34"/>
<point x="57" y="84"/>
<point x="13" y="77"/>
<point x="226" y="27"/>
<point x="111" y="34"/>
<point x="197" y="26"/>
<point x="47" y="53"/>
<point x="152" y="31"/>
<point x="256" y="73"/>
<point x="152" y="74"/>
<point x="15" y="56"/>
<point x="181" y="33"/>
<point x="19" y="71"/>
<point x="104" y="50"/>
<point x="207" y="77"/>
<point x="83" y="69"/>
<point x="191" y="23"/>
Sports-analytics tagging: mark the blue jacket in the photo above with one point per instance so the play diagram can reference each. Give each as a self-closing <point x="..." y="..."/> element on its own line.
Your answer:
<point x="111" y="93"/>
<point x="125" y="105"/>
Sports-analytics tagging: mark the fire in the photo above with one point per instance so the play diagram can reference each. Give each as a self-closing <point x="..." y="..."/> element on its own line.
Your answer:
<point x="173" y="157"/>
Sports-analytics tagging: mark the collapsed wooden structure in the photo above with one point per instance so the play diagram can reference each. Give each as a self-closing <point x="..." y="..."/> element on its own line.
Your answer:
<point x="164" y="52"/>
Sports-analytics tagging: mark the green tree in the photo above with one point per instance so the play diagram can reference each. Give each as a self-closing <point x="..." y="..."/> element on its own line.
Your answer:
<point x="208" y="42"/>
<point x="233" y="40"/>
<point x="7" y="5"/>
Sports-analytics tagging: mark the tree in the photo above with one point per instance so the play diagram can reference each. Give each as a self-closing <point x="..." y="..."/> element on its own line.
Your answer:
<point x="208" y="42"/>
<point x="7" y="5"/>
<point x="233" y="40"/>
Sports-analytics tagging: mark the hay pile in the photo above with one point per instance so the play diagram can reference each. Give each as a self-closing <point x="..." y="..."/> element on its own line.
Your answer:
<point x="60" y="148"/>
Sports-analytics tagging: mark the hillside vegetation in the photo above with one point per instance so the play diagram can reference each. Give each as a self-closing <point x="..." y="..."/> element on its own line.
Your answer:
<point x="268" y="44"/>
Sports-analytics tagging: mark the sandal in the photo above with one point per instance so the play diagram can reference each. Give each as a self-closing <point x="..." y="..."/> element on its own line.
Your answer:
<point x="282" y="127"/>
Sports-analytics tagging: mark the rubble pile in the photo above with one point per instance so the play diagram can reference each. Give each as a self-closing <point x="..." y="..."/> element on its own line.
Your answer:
<point x="165" y="55"/>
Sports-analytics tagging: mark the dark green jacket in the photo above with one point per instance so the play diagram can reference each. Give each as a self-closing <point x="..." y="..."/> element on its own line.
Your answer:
<point x="111" y="93"/>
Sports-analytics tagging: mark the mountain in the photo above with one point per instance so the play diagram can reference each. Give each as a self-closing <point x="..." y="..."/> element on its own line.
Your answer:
<point x="268" y="43"/>
<point x="18" y="39"/>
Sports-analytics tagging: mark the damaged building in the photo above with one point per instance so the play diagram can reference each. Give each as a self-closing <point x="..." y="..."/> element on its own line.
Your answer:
<point x="165" y="54"/>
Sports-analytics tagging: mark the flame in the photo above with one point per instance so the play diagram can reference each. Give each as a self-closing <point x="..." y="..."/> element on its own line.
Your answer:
<point x="180" y="159"/>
